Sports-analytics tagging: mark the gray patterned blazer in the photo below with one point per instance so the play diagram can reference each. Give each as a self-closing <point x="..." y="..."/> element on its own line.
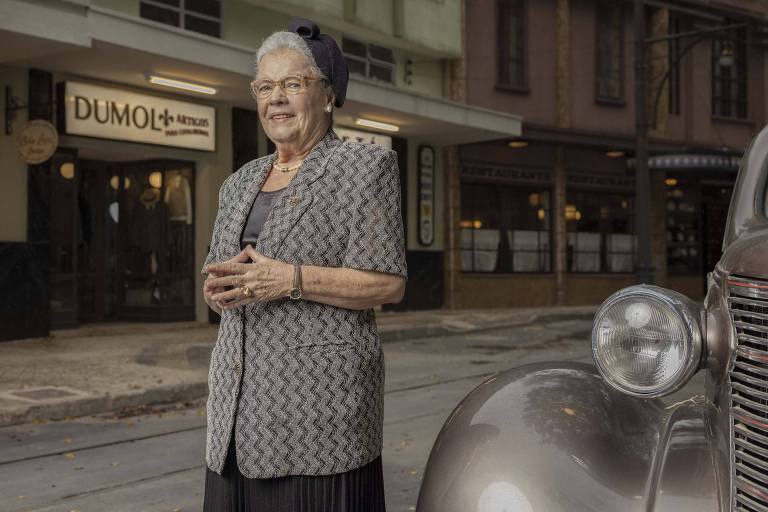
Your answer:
<point x="304" y="380"/>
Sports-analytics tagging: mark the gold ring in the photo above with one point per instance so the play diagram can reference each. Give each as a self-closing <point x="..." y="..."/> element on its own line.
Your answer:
<point x="245" y="291"/>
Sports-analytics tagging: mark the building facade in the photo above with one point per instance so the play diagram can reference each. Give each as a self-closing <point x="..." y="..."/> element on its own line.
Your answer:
<point x="549" y="217"/>
<point x="114" y="224"/>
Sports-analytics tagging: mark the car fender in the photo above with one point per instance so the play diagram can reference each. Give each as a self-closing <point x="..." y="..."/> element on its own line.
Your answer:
<point x="554" y="437"/>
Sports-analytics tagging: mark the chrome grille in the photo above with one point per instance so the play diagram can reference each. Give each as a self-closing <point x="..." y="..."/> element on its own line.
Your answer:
<point x="748" y="379"/>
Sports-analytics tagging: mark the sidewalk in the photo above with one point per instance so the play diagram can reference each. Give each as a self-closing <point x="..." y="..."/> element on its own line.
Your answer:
<point x="106" y="367"/>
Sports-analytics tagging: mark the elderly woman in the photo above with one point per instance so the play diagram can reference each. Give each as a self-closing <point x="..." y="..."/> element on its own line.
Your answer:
<point x="306" y="242"/>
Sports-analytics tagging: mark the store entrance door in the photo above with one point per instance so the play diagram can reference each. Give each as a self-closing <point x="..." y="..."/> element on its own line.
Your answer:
<point x="136" y="254"/>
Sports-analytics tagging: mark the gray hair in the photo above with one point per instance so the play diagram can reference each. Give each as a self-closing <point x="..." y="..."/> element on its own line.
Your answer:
<point x="286" y="41"/>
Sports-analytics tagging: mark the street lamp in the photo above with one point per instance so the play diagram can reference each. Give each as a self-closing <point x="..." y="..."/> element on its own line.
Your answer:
<point x="726" y="58"/>
<point x="645" y="270"/>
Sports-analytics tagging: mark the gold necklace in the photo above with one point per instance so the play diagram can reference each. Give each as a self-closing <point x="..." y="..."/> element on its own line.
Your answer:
<point x="286" y="169"/>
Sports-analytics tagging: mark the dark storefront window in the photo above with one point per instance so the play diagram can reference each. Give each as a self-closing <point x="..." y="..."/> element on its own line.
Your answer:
<point x="202" y="16"/>
<point x="511" y="44"/>
<point x="683" y="230"/>
<point x="505" y="228"/>
<point x="610" y="52"/>
<point x="729" y="75"/>
<point x="601" y="232"/>
<point x="136" y="259"/>
<point x="696" y="216"/>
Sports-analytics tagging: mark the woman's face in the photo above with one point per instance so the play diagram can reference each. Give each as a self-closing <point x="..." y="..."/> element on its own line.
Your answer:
<point x="292" y="118"/>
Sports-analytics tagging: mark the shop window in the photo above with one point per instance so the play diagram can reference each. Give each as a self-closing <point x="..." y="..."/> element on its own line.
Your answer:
<point x="504" y="228"/>
<point x="609" y="46"/>
<point x="729" y="75"/>
<point x="510" y="35"/>
<point x="369" y="60"/>
<point x="202" y="16"/>
<point x="683" y="229"/>
<point x="601" y="235"/>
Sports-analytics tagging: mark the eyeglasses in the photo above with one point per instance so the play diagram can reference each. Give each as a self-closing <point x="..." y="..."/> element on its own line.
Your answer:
<point x="292" y="84"/>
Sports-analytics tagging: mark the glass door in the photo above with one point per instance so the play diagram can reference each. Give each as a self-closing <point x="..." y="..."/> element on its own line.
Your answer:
<point x="64" y="238"/>
<point x="155" y="240"/>
<point x="97" y="259"/>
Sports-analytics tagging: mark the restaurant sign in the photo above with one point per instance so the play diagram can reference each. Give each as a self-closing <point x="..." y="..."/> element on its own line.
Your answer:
<point x="110" y="113"/>
<point x="426" y="195"/>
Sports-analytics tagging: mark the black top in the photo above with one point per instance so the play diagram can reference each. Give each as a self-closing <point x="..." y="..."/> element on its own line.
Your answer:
<point x="257" y="216"/>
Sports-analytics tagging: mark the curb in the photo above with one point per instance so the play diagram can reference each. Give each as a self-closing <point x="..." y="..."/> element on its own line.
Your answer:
<point x="101" y="404"/>
<point x="86" y="406"/>
<point x="430" y="331"/>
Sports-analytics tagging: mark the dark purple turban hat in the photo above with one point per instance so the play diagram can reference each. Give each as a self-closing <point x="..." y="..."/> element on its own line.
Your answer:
<point x="327" y="55"/>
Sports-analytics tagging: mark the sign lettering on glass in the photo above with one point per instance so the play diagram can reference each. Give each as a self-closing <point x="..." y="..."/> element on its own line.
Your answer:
<point x="426" y="155"/>
<point x="485" y="172"/>
<point x="108" y="113"/>
<point x="361" y="136"/>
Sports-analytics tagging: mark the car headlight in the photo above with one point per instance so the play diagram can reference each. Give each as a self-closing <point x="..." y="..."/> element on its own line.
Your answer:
<point x="646" y="340"/>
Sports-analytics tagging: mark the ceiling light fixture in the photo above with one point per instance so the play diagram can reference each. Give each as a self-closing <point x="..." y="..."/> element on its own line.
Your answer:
<point x="178" y="84"/>
<point x="377" y="125"/>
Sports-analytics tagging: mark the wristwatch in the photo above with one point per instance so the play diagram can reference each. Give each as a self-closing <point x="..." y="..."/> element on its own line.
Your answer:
<point x="295" y="292"/>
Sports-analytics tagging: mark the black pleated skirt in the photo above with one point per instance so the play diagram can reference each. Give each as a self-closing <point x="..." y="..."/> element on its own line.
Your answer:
<point x="357" y="490"/>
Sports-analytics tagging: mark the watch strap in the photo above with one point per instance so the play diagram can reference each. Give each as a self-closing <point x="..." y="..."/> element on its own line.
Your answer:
<point x="296" y="290"/>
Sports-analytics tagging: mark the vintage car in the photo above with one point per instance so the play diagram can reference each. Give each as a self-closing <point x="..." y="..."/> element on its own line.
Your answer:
<point x="566" y="437"/>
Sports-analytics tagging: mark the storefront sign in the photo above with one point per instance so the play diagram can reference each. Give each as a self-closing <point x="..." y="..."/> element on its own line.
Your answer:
<point x="37" y="141"/>
<point x="426" y="155"/>
<point x="361" y="136"/>
<point x="601" y="181"/>
<point x="109" y="113"/>
<point x="501" y="174"/>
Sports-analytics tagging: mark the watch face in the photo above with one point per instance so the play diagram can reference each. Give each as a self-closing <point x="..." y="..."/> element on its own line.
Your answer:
<point x="295" y="293"/>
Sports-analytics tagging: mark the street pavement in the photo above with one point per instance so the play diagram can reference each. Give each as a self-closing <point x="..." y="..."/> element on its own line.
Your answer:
<point x="127" y="461"/>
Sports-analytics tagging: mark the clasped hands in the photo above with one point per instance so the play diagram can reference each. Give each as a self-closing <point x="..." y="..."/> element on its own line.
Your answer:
<point x="267" y="278"/>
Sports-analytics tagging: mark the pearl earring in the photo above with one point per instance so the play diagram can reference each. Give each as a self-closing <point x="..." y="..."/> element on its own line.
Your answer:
<point x="328" y="107"/>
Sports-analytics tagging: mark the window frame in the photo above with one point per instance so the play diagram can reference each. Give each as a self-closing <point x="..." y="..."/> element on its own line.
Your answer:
<point x="183" y="12"/>
<point x="522" y="85"/>
<point x="601" y="73"/>
<point x="677" y="24"/>
<point x="546" y="255"/>
<point x="369" y="59"/>
<point x="738" y="38"/>
<point x="604" y="253"/>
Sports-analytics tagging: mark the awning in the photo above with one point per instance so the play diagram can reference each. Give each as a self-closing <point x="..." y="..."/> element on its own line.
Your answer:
<point x="122" y="49"/>
<point x="692" y="162"/>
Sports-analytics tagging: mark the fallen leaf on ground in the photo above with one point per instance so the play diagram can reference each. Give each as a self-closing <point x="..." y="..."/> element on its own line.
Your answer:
<point x="69" y="455"/>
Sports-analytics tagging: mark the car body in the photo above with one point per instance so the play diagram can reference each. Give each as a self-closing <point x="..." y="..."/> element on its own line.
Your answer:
<point x="570" y="437"/>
